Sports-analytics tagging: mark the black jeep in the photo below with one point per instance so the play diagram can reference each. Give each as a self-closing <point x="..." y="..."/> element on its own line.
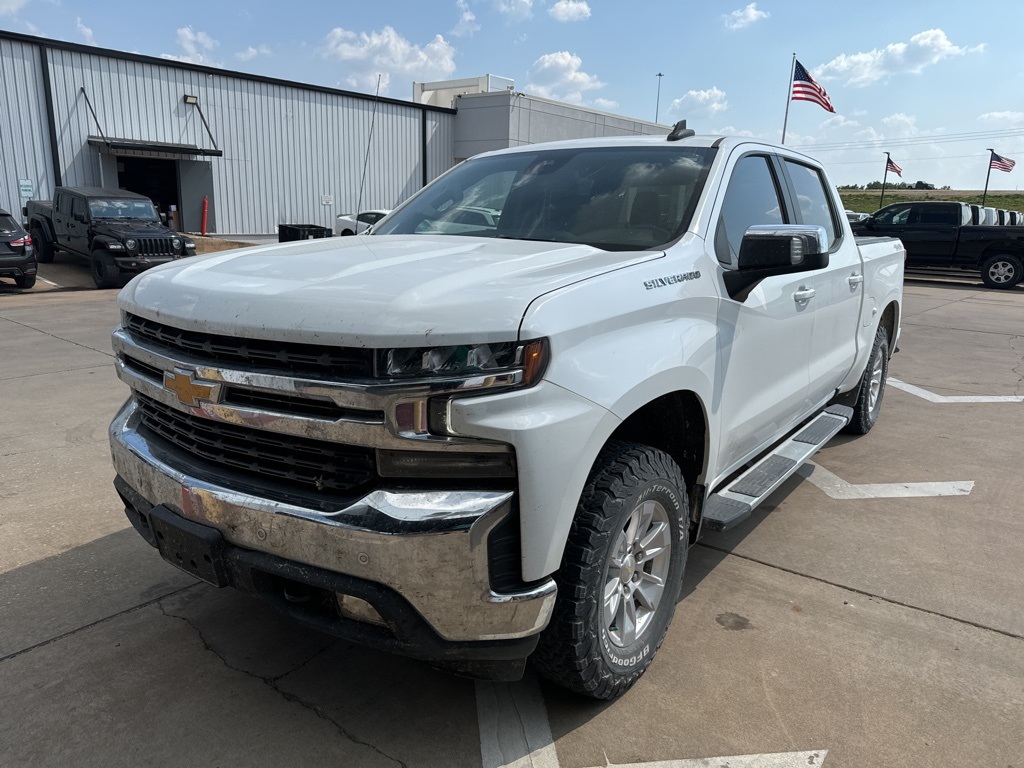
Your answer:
<point x="119" y="232"/>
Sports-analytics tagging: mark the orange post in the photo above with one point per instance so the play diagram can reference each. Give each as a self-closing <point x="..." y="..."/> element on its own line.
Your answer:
<point x="206" y="209"/>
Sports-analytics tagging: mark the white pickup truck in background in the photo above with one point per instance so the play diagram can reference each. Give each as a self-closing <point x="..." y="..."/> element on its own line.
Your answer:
<point x="500" y="442"/>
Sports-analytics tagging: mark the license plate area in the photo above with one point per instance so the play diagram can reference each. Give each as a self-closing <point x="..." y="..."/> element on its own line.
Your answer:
<point x="194" y="548"/>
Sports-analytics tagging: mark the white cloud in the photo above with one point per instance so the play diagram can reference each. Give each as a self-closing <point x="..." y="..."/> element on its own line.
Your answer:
<point x="85" y="32"/>
<point x="387" y="53"/>
<point x="606" y="104"/>
<point x="569" y="10"/>
<point x="838" y="121"/>
<point x="252" y="52"/>
<point x="10" y="6"/>
<point x="197" y="47"/>
<point x="1004" y="119"/>
<point x="515" y="10"/>
<point x="558" y="76"/>
<point x="467" y="23"/>
<point x="731" y="130"/>
<point x="700" y="103"/>
<point x="868" y="67"/>
<point x="32" y="28"/>
<point x="744" y="17"/>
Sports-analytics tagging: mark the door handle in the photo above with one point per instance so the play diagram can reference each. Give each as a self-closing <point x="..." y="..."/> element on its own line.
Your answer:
<point x="803" y="295"/>
<point x="854" y="280"/>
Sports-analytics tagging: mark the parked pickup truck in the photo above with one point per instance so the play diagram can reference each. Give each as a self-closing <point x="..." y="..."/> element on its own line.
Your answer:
<point x="940" y="235"/>
<point x="472" y="448"/>
<point x="118" y="231"/>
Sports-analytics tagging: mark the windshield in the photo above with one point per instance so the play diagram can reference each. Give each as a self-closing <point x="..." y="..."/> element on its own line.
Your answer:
<point x="122" y="209"/>
<point x="614" y="198"/>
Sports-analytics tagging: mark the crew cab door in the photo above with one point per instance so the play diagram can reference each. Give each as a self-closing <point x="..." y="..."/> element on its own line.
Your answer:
<point x="78" y="226"/>
<point x="838" y="288"/>
<point x="764" y="337"/>
<point x="928" y="231"/>
<point x="60" y="215"/>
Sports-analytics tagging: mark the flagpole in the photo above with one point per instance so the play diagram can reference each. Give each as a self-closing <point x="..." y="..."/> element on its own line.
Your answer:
<point x="884" y="177"/>
<point x="789" y="95"/>
<point x="984" y="197"/>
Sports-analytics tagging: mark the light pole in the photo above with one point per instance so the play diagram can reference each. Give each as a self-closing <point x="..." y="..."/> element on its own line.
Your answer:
<point x="657" y="103"/>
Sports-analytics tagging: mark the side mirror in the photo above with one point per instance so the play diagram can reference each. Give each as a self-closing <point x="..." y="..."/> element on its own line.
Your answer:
<point x="79" y="217"/>
<point x="784" y="247"/>
<point x="776" y="249"/>
<point x="163" y="218"/>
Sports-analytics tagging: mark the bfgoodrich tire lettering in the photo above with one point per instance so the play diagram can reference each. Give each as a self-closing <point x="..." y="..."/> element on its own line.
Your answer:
<point x="872" y="386"/>
<point x="629" y="538"/>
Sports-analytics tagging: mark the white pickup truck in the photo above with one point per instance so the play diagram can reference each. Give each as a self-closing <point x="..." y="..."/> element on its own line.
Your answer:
<point x="500" y="442"/>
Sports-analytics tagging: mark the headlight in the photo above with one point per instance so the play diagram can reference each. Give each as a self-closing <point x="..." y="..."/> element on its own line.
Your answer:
<point x="130" y="244"/>
<point x="176" y="243"/>
<point x="466" y="360"/>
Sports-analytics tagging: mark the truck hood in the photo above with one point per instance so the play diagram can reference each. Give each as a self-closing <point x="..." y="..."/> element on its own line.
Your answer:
<point x="394" y="290"/>
<point x="121" y="228"/>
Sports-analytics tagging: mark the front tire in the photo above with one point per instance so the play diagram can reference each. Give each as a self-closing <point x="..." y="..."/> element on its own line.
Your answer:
<point x="43" y="246"/>
<point x="1003" y="271"/>
<point x="620" y="575"/>
<point x="105" y="272"/>
<point x="872" y="387"/>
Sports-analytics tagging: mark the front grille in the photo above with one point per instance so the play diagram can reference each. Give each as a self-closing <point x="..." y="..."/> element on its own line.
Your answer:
<point x="311" y="360"/>
<point x="296" y="462"/>
<point x="155" y="246"/>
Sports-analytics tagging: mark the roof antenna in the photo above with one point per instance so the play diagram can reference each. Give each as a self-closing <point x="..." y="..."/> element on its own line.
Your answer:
<point x="680" y="131"/>
<point x="366" y="159"/>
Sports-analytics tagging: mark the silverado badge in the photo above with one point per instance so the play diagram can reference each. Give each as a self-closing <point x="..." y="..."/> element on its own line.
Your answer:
<point x="188" y="390"/>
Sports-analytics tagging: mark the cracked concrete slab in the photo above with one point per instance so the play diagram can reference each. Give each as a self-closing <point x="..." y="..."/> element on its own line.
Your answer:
<point x="143" y="689"/>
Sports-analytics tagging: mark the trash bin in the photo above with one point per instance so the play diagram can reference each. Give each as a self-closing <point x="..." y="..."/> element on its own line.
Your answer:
<point x="287" y="233"/>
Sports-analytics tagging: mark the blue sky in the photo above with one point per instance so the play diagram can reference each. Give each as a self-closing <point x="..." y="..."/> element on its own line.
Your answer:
<point x="933" y="83"/>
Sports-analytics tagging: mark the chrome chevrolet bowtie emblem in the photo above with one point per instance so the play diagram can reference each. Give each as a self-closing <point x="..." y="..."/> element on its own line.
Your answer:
<point x="188" y="390"/>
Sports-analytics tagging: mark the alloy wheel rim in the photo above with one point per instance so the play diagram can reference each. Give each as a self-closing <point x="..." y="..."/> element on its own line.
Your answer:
<point x="875" y="385"/>
<point x="1001" y="272"/>
<point x="637" y="572"/>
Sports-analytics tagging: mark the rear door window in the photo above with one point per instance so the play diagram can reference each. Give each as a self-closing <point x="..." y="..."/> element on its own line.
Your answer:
<point x="814" y="204"/>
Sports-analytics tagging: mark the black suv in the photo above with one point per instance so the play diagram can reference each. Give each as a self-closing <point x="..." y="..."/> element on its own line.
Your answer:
<point x="119" y="231"/>
<point x="17" y="257"/>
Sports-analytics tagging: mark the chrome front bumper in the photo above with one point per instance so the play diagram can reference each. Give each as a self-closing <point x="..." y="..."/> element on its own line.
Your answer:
<point x="428" y="546"/>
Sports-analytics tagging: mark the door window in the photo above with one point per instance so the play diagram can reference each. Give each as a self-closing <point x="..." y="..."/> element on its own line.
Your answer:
<point x="752" y="198"/>
<point x="895" y="215"/>
<point x="78" y="209"/>
<point x="812" y="200"/>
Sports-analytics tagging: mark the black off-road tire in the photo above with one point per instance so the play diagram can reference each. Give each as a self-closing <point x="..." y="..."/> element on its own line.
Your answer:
<point x="1002" y="271"/>
<point x="867" y="407"/>
<point x="25" y="282"/>
<point x="347" y="233"/>
<point x="105" y="272"/>
<point x="42" y="244"/>
<point x="576" y="650"/>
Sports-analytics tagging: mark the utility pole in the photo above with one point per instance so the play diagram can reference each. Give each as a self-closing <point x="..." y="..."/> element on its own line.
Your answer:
<point x="657" y="103"/>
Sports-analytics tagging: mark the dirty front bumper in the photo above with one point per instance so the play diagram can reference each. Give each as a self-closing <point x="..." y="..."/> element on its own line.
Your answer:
<point x="402" y="570"/>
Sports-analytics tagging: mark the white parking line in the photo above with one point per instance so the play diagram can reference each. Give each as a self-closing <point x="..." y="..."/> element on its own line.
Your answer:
<point x="515" y="733"/>
<point x="772" y="760"/>
<point x="931" y="397"/>
<point x="837" y="488"/>
<point x="49" y="282"/>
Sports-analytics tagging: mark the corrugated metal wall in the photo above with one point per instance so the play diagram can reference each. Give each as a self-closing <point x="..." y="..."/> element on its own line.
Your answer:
<point x="284" y="148"/>
<point x="24" y="137"/>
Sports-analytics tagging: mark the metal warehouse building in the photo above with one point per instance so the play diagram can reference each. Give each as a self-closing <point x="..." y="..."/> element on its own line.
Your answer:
<point x="262" y="151"/>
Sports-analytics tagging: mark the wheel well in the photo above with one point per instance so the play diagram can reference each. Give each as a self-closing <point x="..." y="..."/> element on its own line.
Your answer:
<point x="889" y="321"/>
<point x="673" y="423"/>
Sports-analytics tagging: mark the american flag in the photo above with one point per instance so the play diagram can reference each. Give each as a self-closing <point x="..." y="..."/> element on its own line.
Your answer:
<point x="1001" y="163"/>
<point x="891" y="166"/>
<point x="806" y="89"/>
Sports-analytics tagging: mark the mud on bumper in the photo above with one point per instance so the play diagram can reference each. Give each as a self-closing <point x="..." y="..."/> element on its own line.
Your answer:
<point x="405" y="572"/>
